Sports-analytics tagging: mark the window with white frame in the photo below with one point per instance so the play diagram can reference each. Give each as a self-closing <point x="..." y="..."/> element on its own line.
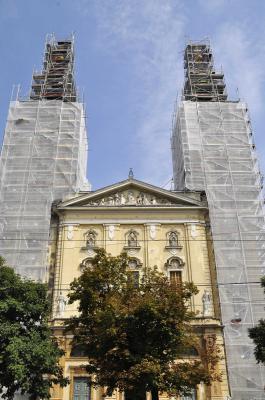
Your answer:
<point x="134" y="265"/>
<point x="174" y="266"/>
<point x="81" y="388"/>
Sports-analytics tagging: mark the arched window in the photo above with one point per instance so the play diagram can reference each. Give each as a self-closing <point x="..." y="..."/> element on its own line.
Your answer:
<point x="86" y="263"/>
<point x="174" y="263"/>
<point x="134" y="265"/>
<point x="189" y="352"/>
<point x="78" y="350"/>
<point x="175" y="277"/>
<point x="174" y="266"/>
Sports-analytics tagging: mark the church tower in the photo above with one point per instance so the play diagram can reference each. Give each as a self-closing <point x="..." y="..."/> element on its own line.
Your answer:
<point x="43" y="158"/>
<point x="213" y="150"/>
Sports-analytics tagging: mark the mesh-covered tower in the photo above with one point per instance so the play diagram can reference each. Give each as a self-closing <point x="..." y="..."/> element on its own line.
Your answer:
<point x="213" y="150"/>
<point x="43" y="158"/>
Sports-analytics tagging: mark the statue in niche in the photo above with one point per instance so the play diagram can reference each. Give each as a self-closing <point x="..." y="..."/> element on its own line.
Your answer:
<point x="206" y="303"/>
<point x="173" y="239"/>
<point x="90" y="239"/>
<point x="132" y="239"/>
<point x="131" y="199"/>
<point x="61" y="303"/>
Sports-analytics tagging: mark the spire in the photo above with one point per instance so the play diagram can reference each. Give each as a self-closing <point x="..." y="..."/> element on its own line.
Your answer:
<point x="55" y="81"/>
<point x="202" y="83"/>
<point x="130" y="176"/>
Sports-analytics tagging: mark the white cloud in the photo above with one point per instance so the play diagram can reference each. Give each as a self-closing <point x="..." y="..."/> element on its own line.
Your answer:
<point x="153" y="30"/>
<point x="243" y="57"/>
<point x="212" y="6"/>
<point x="149" y="34"/>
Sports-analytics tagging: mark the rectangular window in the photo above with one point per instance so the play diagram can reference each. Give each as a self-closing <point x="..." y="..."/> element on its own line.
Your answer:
<point x="134" y="278"/>
<point x="175" y="277"/>
<point x="81" y="389"/>
<point x="191" y="397"/>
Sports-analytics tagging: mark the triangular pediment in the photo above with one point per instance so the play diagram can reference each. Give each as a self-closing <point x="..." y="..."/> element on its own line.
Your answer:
<point x="132" y="193"/>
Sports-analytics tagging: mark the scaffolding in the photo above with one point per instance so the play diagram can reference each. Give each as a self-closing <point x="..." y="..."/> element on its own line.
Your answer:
<point x="213" y="150"/>
<point x="202" y="82"/>
<point x="43" y="159"/>
<point x="55" y="81"/>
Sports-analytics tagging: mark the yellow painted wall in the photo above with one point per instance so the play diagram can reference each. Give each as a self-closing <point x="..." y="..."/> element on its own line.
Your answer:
<point x="194" y="252"/>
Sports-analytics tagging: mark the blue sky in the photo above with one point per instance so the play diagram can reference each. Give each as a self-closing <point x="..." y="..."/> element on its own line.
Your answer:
<point x="129" y="65"/>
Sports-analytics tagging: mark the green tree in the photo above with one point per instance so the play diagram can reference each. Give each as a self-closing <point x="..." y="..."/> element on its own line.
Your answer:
<point x="133" y="334"/>
<point x="257" y="334"/>
<point x="28" y="353"/>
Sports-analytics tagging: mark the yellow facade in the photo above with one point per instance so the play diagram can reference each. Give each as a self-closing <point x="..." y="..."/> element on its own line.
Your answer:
<point x="156" y="227"/>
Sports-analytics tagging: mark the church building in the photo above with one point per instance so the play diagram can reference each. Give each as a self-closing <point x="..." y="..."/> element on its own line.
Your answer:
<point x="156" y="227"/>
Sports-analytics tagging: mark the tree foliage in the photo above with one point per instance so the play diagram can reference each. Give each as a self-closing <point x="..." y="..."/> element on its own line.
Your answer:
<point x="28" y="354"/>
<point x="133" y="334"/>
<point x="258" y="335"/>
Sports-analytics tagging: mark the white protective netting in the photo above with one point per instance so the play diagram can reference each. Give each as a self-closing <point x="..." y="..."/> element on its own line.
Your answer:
<point x="43" y="158"/>
<point x="213" y="150"/>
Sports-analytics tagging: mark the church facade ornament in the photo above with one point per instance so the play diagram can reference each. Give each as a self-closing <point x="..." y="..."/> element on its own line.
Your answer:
<point x="70" y="232"/>
<point x="152" y="232"/>
<point x="130" y="198"/>
<point x="131" y="241"/>
<point x="111" y="231"/>
<point x="173" y="242"/>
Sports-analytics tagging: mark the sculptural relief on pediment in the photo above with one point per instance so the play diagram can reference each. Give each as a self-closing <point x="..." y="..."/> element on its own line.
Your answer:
<point x="130" y="198"/>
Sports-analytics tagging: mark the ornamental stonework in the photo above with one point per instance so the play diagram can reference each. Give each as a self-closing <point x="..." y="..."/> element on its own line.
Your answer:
<point x="130" y="198"/>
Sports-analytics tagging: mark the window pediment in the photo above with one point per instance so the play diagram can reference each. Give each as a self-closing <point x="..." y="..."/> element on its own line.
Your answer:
<point x="174" y="263"/>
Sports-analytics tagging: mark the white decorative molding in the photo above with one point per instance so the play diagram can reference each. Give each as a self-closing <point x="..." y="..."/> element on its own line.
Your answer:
<point x="111" y="232"/>
<point x="174" y="252"/>
<point x="193" y="231"/>
<point x="70" y="232"/>
<point x="174" y="263"/>
<point x="126" y="221"/>
<point x="130" y="198"/>
<point x="206" y="301"/>
<point x="87" y="262"/>
<point x="91" y="253"/>
<point x="152" y="231"/>
<point x="131" y="252"/>
<point x="61" y="303"/>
